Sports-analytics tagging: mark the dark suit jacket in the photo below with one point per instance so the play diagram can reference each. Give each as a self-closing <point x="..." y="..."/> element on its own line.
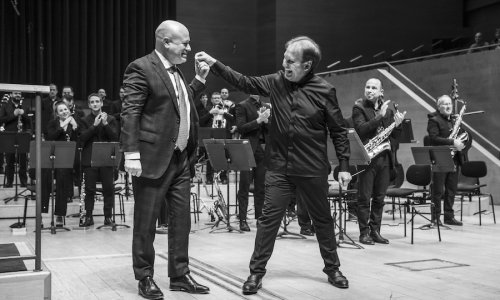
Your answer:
<point x="439" y="129"/>
<point x="150" y="115"/>
<point x="100" y="133"/>
<point x="246" y="121"/>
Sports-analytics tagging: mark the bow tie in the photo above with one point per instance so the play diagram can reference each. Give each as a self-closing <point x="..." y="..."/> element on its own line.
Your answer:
<point x="173" y="69"/>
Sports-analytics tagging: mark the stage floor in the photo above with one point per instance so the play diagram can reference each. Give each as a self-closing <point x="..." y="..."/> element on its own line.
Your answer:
<point x="97" y="264"/>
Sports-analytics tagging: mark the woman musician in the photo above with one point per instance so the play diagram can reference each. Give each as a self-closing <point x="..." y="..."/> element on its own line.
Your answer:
<point x="63" y="128"/>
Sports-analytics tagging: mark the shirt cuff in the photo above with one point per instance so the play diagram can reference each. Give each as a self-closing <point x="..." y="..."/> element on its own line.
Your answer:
<point x="132" y="155"/>
<point x="200" y="79"/>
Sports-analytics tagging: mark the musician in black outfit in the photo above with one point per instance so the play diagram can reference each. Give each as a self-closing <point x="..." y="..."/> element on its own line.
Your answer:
<point x="64" y="128"/>
<point x="439" y="127"/>
<point x="98" y="126"/>
<point x="370" y="116"/>
<point x="304" y="112"/>
<point x="48" y="104"/>
<point x="252" y="117"/>
<point x="13" y="114"/>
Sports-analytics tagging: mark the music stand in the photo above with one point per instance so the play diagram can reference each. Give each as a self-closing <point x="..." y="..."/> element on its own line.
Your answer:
<point x="236" y="155"/>
<point x="406" y="136"/>
<point x="54" y="155"/>
<point x="17" y="143"/>
<point x="440" y="160"/>
<point x="107" y="154"/>
<point x="359" y="156"/>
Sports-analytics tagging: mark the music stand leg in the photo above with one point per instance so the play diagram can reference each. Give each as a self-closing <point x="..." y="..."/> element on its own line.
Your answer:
<point x="287" y="234"/>
<point x="342" y="232"/>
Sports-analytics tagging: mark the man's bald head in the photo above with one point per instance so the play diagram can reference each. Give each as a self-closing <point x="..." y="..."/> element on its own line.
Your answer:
<point x="172" y="41"/>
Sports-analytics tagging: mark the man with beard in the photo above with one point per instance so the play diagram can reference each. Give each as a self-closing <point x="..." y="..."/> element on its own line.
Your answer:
<point x="14" y="115"/>
<point x="370" y="116"/>
<point x="439" y="127"/>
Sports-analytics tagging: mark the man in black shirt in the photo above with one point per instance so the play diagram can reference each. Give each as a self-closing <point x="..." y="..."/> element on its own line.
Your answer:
<point x="304" y="111"/>
<point x="439" y="126"/>
<point x="370" y="116"/>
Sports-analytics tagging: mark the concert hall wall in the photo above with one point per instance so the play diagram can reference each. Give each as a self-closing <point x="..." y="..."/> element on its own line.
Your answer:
<point x="86" y="43"/>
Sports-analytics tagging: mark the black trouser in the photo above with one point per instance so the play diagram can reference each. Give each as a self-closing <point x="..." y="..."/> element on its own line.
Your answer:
<point x="22" y="167"/>
<point x="64" y="190"/>
<point x="258" y="175"/>
<point x="105" y="174"/>
<point x="174" y="186"/>
<point x="46" y="189"/>
<point x="373" y="184"/>
<point x="279" y="189"/>
<point x="444" y="186"/>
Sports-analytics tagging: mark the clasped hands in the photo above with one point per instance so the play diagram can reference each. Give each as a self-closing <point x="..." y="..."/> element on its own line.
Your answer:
<point x="263" y="116"/>
<point x="69" y="120"/>
<point x="398" y="117"/>
<point x="101" y="118"/>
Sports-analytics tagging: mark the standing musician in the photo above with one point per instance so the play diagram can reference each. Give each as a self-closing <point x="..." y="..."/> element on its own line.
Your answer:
<point x="252" y="117"/>
<point x="305" y="112"/>
<point x="98" y="126"/>
<point x="221" y="118"/>
<point x="439" y="126"/>
<point x="371" y="116"/>
<point x="63" y="128"/>
<point x="14" y="117"/>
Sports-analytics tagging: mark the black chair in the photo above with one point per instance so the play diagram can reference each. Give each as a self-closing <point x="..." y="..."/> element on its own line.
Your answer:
<point x="416" y="198"/>
<point x="393" y="191"/>
<point x="474" y="170"/>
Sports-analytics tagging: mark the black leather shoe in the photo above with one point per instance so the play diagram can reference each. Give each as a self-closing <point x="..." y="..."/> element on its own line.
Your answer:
<point x="306" y="231"/>
<point x="244" y="226"/>
<point x="366" y="239"/>
<point x="338" y="279"/>
<point x="186" y="283"/>
<point x="148" y="288"/>
<point x="108" y="221"/>
<point x="377" y="238"/>
<point x="252" y="285"/>
<point x="453" y="222"/>
<point x="89" y="221"/>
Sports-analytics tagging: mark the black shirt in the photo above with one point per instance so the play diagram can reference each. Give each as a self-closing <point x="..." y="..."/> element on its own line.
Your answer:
<point x="302" y="115"/>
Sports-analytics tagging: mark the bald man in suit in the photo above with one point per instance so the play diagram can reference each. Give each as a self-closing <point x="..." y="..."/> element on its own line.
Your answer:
<point x="159" y="139"/>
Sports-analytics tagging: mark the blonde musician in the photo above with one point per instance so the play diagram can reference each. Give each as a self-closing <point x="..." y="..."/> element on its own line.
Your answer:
<point x="439" y="126"/>
<point x="13" y="116"/>
<point x="63" y="128"/>
<point x="370" y="116"/>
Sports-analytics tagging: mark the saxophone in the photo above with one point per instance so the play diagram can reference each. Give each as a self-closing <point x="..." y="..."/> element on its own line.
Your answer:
<point x="458" y="120"/>
<point x="376" y="145"/>
<point x="220" y="207"/>
<point x="19" y="117"/>
<point x="82" y="202"/>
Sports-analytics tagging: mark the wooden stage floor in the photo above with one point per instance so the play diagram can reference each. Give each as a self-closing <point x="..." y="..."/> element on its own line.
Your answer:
<point x="97" y="264"/>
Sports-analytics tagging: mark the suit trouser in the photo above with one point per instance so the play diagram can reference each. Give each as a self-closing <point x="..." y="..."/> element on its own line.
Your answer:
<point x="279" y="189"/>
<point x="373" y="184"/>
<point x="259" y="173"/>
<point x="174" y="186"/>
<point x="444" y="184"/>
<point x="106" y="176"/>
<point x="22" y="167"/>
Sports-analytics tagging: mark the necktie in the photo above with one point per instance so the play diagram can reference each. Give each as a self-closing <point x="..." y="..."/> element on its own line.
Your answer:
<point x="182" y="136"/>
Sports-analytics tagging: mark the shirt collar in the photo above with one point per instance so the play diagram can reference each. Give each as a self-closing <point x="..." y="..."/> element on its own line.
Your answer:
<point x="163" y="60"/>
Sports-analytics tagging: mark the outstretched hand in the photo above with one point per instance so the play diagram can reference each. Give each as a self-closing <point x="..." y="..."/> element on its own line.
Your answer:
<point x="204" y="57"/>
